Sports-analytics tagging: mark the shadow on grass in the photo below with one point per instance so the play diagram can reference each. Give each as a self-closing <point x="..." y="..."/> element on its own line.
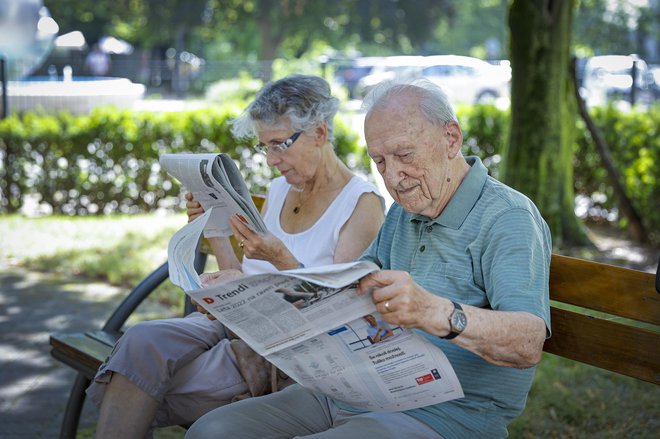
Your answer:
<point x="573" y="400"/>
<point x="123" y="263"/>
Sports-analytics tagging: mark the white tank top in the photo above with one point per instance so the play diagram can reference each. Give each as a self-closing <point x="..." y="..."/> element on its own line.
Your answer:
<point x="316" y="245"/>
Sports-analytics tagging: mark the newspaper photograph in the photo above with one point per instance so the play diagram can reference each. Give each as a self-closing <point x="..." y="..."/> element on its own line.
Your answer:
<point x="216" y="182"/>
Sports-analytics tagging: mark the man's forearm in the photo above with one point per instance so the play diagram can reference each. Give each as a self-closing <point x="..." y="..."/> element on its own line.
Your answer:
<point x="504" y="338"/>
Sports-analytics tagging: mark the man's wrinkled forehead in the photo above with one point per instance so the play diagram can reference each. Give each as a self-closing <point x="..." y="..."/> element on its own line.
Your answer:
<point x="397" y="103"/>
<point x="396" y="121"/>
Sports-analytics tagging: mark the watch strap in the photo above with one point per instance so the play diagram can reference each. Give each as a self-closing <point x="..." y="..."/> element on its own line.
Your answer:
<point x="452" y="333"/>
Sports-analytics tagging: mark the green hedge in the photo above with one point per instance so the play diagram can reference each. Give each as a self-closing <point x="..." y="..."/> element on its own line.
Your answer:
<point x="634" y="142"/>
<point x="108" y="161"/>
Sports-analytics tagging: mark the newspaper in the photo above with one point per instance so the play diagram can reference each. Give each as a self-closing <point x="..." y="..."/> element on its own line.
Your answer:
<point x="311" y="324"/>
<point x="216" y="182"/>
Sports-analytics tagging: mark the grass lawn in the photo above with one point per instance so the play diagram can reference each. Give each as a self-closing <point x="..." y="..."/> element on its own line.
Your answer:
<point x="120" y="250"/>
<point x="567" y="400"/>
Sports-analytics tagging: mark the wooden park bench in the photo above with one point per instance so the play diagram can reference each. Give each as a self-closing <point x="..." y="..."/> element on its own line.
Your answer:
<point x="602" y="315"/>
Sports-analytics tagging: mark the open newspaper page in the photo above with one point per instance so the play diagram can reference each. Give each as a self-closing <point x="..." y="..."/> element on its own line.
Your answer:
<point x="311" y="324"/>
<point x="217" y="184"/>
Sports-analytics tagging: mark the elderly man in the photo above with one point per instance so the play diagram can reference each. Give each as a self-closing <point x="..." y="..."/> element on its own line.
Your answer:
<point x="465" y="261"/>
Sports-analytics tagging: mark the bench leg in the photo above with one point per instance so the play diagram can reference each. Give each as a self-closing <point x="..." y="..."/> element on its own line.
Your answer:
<point x="74" y="408"/>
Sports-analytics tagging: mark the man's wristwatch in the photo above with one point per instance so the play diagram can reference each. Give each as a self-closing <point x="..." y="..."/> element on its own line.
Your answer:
<point x="457" y="321"/>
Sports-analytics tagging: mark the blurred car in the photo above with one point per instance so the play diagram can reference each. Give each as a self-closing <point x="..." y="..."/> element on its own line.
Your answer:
<point x="389" y="68"/>
<point x="610" y="78"/>
<point x="655" y="71"/>
<point x="349" y="74"/>
<point x="468" y="80"/>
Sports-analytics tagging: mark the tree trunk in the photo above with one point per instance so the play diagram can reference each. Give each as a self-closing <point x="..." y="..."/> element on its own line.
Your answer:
<point x="538" y="158"/>
<point x="270" y="41"/>
<point x="178" y="84"/>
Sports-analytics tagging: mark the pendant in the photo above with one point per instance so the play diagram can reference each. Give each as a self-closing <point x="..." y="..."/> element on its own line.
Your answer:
<point x="296" y="209"/>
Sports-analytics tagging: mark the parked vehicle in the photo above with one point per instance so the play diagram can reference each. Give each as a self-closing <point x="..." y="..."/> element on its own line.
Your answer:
<point x="464" y="79"/>
<point x="350" y="74"/>
<point x="469" y="80"/>
<point x="388" y="68"/>
<point x="610" y="78"/>
<point x="655" y="71"/>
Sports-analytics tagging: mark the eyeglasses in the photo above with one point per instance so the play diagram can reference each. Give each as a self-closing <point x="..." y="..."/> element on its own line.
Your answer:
<point x="279" y="148"/>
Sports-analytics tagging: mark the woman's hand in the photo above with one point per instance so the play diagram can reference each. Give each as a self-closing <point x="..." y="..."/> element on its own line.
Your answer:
<point x="201" y="309"/>
<point x="263" y="246"/>
<point x="220" y="276"/>
<point x="194" y="209"/>
<point x="215" y="278"/>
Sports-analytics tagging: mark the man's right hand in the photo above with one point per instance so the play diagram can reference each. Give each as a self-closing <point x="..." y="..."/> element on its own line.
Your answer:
<point x="194" y="209"/>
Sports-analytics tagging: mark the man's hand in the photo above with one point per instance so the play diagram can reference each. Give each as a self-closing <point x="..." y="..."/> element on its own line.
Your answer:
<point x="401" y="301"/>
<point x="194" y="209"/>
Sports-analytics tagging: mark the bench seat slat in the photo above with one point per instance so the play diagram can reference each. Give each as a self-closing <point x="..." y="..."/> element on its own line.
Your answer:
<point x="83" y="351"/>
<point x="609" y="345"/>
<point x="602" y="287"/>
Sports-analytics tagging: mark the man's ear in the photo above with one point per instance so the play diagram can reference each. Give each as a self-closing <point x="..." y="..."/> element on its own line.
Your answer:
<point x="454" y="137"/>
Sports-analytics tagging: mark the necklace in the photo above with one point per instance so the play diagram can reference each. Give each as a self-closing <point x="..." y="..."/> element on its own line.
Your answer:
<point x="300" y="204"/>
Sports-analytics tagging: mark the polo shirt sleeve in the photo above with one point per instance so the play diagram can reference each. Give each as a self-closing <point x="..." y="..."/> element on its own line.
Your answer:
<point x="516" y="264"/>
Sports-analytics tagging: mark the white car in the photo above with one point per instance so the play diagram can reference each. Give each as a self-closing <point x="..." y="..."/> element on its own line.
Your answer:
<point x="609" y="78"/>
<point x="468" y="80"/>
<point x="389" y="68"/>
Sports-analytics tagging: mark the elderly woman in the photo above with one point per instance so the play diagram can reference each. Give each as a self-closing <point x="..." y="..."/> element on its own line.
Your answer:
<point x="318" y="212"/>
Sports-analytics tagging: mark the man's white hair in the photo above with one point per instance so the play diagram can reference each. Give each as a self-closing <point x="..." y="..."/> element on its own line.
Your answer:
<point x="433" y="101"/>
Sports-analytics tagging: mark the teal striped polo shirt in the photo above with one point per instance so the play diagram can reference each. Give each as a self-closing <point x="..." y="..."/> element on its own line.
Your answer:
<point x="489" y="248"/>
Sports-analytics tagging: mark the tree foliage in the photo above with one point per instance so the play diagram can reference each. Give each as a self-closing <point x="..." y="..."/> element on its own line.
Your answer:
<point x="605" y="27"/>
<point x="267" y="29"/>
<point x="93" y="19"/>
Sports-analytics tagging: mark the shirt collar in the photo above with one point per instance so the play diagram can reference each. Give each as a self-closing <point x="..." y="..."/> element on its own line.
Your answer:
<point x="466" y="196"/>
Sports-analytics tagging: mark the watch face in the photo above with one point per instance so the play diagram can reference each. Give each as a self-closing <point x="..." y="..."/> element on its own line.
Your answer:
<point x="458" y="321"/>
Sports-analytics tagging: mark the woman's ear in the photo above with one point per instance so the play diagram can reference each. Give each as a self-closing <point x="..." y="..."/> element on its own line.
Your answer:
<point x="321" y="133"/>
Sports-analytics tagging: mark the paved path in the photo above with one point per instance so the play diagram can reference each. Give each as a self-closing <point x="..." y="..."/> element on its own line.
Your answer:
<point x="34" y="387"/>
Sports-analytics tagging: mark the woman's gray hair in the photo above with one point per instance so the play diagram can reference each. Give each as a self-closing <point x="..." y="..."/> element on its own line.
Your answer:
<point x="433" y="101"/>
<point x="303" y="101"/>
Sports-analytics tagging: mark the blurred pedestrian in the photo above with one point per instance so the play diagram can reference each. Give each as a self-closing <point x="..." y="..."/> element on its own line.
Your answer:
<point x="97" y="62"/>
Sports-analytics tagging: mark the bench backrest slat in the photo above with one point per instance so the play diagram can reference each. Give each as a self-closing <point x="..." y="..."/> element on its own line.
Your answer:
<point x="626" y="338"/>
<point x="602" y="287"/>
<point x="610" y="345"/>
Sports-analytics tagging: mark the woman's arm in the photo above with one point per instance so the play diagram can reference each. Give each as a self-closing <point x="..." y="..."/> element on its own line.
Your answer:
<point x="360" y="229"/>
<point x="224" y="253"/>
